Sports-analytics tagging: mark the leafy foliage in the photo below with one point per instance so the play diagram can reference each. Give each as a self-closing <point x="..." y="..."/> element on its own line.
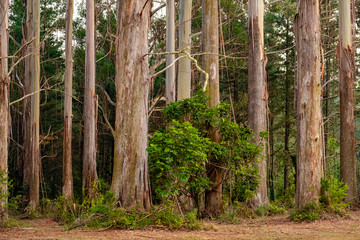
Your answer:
<point x="270" y="210"/>
<point x="332" y="201"/>
<point x="185" y="147"/>
<point x="178" y="156"/>
<point x="333" y="196"/>
<point x="310" y="212"/>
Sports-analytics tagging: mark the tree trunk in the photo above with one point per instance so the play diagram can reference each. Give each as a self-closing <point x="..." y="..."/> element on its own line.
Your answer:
<point x="287" y="160"/>
<point x="271" y="159"/>
<point x="130" y="182"/>
<point x="257" y="93"/>
<point x="170" y="47"/>
<point x="346" y="83"/>
<point x="90" y="106"/>
<point x="26" y="154"/>
<point x="32" y="107"/>
<point x="210" y="44"/>
<point x="4" y="107"/>
<point x="67" y="189"/>
<point x="308" y="103"/>
<point x="184" y="70"/>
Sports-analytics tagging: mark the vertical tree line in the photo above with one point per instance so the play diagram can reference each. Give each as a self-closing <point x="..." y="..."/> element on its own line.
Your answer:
<point x="132" y="53"/>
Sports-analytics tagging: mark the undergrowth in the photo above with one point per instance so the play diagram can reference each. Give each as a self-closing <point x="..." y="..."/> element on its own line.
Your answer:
<point x="331" y="203"/>
<point x="101" y="213"/>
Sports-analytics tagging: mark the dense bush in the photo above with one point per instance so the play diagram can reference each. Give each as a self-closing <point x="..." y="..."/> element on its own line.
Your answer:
<point x="331" y="202"/>
<point x="178" y="157"/>
<point x="178" y="154"/>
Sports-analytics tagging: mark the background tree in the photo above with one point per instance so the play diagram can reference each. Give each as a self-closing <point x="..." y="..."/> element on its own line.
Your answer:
<point x="257" y="93"/>
<point x="210" y="64"/>
<point x="170" y="47"/>
<point x="90" y="105"/>
<point x="67" y="190"/>
<point x="346" y="82"/>
<point x="184" y="69"/>
<point x="35" y="109"/>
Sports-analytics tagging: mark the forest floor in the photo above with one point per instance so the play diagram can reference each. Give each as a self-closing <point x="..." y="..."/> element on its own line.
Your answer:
<point x="277" y="227"/>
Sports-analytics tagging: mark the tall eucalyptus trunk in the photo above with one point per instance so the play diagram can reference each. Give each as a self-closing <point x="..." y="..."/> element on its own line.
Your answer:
<point x="4" y="107"/>
<point x="257" y="93"/>
<point x="170" y="47"/>
<point x="210" y="46"/>
<point x="26" y="126"/>
<point x="130" y="182"/>
<point x="35" y="109"/>
<point x="31" y="152"/>
<point x="67" y="189"/>
<point x="346" y="90"/>
<point x="184" y="69"/>
<point x="90" y="106"/>
<point x="308" y="102"/>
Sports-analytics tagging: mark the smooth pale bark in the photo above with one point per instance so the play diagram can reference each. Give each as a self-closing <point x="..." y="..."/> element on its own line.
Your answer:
<point x="346" y="89"/>
<point x="130" y="182"/>
<point x="31" y="151"/>
<point x="257" y="93"/>
<point x="170" y="47"/>
<point x="184" y="68"/>
<point x="308" y="103"/>
<point x="90" y="106"/>
<point x="210" y="63"/>
<point x="67" y="189"/>
<point x="4" y="106"/>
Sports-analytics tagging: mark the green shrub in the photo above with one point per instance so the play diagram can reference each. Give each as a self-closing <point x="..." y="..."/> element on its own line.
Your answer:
<point x="234" y="152"/>
<point x="333" y="196"/>
<point x="177" y="160"/>
<point x="239" y="211"/>
<point x="270" y="210"/>
<point x="310" y="212"/>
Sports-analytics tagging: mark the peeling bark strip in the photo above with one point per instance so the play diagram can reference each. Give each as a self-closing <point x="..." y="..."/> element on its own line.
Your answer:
<point x="130" y="182"/>
<point x="210" y="64"/>
<point x="257" y="93"/>
<point x="4" y="104"/>
<point x="67" y="189"/>
<point x="90" y="107"/>
<point x="184" y="70"/>
<point x="346" y="82"/>
<point x="170" y="47"/>
<point x="308" y="102"/>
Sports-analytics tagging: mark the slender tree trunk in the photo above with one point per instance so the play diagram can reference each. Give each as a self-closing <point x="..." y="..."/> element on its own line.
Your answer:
<point x="184" y="70"/>
<point x="308" y="102"/>
<point x="130" y="182"/>
<point x="4" y="106"/>
<point x="90" y="106"/>
<point x="210" y="44"/>
<point x="170" y="47"/>
<point x="346" y="83"/>
<point x="257" y="93"/>
<point x="271" y="160"/>
<point x="287" y="163"/>
<point x="67" y="189"/>
<point x="26" y="154"/>
<point x="32" y="172"/>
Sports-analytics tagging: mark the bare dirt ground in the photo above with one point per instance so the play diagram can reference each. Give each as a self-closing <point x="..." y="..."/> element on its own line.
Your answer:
<point x="278" y="227"/>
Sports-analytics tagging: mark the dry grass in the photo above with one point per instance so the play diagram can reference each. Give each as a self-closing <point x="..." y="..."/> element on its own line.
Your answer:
<point x="278" y="227"/>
